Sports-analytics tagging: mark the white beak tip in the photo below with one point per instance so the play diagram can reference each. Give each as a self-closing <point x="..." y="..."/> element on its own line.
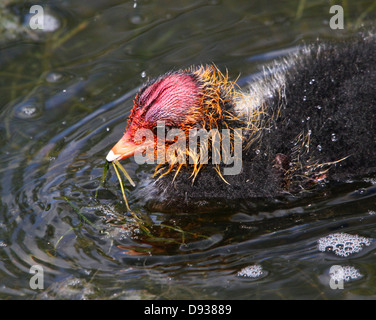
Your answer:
<point x="112" y="156"/>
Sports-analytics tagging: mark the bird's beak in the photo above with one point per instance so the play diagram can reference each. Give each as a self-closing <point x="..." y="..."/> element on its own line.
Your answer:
<point x="124" y="148"/>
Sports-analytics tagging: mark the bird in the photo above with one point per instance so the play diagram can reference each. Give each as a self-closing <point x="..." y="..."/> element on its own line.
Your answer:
<point x="307" y="121"/>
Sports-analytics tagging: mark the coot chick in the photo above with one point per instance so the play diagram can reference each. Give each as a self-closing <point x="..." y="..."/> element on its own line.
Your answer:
<point x="309" y="120"/>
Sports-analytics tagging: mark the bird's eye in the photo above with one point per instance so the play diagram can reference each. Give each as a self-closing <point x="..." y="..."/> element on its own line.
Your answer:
<point x="167" y="129"/>
<point x="158" y="128"/>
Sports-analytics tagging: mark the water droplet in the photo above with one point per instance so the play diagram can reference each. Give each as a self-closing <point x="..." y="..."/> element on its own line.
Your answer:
<point x="318" y="107"/>
<point x="319" y="148"/>
<point x="50" y="23"/>
<point x="334" y="137"/>
<point x="257" y="151"/>
<point x="29" y="110"/>
<point x="304" y="98"/>
<point x="107" y="129"/>
<point x="26" y="110"/>
<point x="143" y="74"/>
<point x="312" y="81"/>
<point x="136" y="19"/>
<point x="53" y="77"/>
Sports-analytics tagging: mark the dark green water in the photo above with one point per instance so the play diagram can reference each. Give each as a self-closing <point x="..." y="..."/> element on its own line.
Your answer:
<point x="64" y="98"/>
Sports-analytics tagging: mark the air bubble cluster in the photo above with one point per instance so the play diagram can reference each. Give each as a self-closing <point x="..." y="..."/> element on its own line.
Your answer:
<point x="345" y="273"/>
<point x="253" y="271"/>
<point x="343" y="244"/>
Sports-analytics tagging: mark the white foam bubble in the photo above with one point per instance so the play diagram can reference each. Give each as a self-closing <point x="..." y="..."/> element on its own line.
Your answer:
<point x="253" y="271"/>
<point x="343" y="244"/>
<point x="345" y="273"/>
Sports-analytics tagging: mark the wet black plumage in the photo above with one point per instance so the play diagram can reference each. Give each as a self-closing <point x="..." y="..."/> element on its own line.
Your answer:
<point x="325" y="99"/>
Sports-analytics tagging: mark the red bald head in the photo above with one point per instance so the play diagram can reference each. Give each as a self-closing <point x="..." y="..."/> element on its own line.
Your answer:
<point x="173" y="98"/>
